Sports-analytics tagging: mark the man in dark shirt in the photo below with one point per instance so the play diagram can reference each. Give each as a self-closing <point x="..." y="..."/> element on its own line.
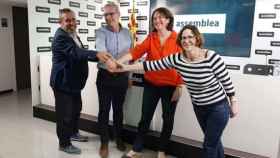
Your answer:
<point x="68" y="77"/>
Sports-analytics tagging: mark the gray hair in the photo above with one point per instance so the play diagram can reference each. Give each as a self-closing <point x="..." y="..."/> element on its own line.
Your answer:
<point x="64" y="11"/>
<point x="113" y="5"/>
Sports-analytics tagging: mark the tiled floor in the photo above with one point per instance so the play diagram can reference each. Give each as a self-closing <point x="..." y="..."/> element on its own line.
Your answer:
<point x="22" y="136"/>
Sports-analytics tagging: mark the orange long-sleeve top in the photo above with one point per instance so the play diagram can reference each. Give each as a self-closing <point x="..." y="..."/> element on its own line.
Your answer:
<point x="151" y="46"/>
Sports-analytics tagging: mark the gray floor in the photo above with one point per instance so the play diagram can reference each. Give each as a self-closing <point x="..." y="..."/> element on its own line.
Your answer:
<point x="22" y="136"/>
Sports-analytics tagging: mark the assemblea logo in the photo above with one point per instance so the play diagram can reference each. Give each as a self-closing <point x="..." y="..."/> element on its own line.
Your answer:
<point x="200" y="23"/>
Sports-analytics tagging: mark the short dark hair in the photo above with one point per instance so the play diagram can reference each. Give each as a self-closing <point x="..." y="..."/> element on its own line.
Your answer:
<point x="167" y="14"/>
<point x="195" y="31"/>
<point x="64" y="11"/>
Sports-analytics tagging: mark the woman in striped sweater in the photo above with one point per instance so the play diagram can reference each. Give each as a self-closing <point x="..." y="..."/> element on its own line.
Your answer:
<point x="208" y="82"/>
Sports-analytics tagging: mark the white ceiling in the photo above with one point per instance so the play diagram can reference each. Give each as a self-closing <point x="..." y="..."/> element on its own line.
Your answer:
<point x="14" y="2"/>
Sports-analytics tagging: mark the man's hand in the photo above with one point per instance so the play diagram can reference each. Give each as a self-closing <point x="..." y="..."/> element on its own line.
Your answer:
<point x="114" y="66"/>
<point x="111" y="65"/>
<point x="103" y="56"/>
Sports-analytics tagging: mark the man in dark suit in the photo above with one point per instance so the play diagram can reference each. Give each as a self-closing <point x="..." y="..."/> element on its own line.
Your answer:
<point x="68" y="77"/>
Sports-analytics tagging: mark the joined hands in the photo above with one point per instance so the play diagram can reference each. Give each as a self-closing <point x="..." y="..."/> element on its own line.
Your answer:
<point x="114" y="66"/>
<point x="103" y="56"/>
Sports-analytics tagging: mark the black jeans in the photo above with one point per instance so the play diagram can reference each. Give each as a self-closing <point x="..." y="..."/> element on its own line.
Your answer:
<point x="213" y="120"/>
<point x="151" y="96"/>
<point x="111" y="89"/>
<point x="68" y="109"/>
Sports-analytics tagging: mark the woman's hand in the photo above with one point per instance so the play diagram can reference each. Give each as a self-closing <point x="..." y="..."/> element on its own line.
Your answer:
<point x="177" y="93"/>
<point x="233" y="107"/>
<point x="103" y="56"/>
<point x="111" y="64"/>
<point x="114" y="66"/>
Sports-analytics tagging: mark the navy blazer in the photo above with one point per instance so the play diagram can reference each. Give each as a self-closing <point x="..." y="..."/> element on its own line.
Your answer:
<point x="69" y="63"/>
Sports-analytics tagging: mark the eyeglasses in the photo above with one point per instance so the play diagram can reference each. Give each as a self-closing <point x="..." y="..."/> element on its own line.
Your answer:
<point x="106" y="14"/>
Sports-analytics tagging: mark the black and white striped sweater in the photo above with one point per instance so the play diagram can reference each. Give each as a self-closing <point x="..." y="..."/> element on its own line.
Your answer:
<point x="207" y="80"/>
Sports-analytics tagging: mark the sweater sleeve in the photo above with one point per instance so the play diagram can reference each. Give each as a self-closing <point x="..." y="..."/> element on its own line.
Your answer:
<point x="162" y="64"/>
<point x="220" y="71"/>
<point x="141" y="49"/>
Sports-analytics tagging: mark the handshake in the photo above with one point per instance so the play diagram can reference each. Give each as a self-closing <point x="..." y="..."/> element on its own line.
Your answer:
<point x="115" y="66"/>
<point x="112" y="64"/>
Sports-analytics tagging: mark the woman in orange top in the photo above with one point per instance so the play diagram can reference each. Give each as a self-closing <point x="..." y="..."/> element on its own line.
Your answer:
<point x="164" y="85"/>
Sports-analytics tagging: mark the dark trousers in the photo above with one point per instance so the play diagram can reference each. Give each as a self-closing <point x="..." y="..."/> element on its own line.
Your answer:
<point x="68" y="109"/>
<point x="151" y="96"/>
<point x="213" y="120"/>
<point x="111" y="89"/>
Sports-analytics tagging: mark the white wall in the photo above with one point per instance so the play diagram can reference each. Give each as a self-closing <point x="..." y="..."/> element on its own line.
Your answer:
<point x="256" y="129"/>
<point x="7" y="55"/>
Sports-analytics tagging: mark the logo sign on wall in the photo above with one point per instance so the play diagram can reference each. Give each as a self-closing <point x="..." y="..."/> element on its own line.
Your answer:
<point x="276" y="25"/>
<point x="267" y="16"/>
<point x="265" y="34"/>
<point x="275" y="43"/>
<point x="233" y="67"/>
<point x="124" y="18"/>
<point x="223" y="32"/>
<point x="90" y="39"/>
<point x="43" y="49"/>
<point x="98" y="16"/>
<point x="263" y="52"/>
<point x="58" y="2"/>
<point x="42" y="9"/>
<point x="124" y="4"/>
<point x="50" y="39"/>
<point x="206" y="23"/>
<point x="74" y="4"/>
<point x="43" y="29"/>
<point x="91" y="23"/>
<point x="83" y="14"/>
<point x="53" y="20"/>
<point x="141" y="32"/>
<point x="98" y="1"/>
<point x="142" y="18"/>
<point x="90" y="7"/>
<point x="83" y="31"/>
<point x="142" y="3"/>
<point x="78" y="22"/>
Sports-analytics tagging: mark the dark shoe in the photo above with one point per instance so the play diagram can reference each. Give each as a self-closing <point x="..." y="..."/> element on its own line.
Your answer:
<point x="79" y="138"/>
<point x="120" y="145"/>
<point x="70" y="149"/>
<point x="104" y="151"/>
